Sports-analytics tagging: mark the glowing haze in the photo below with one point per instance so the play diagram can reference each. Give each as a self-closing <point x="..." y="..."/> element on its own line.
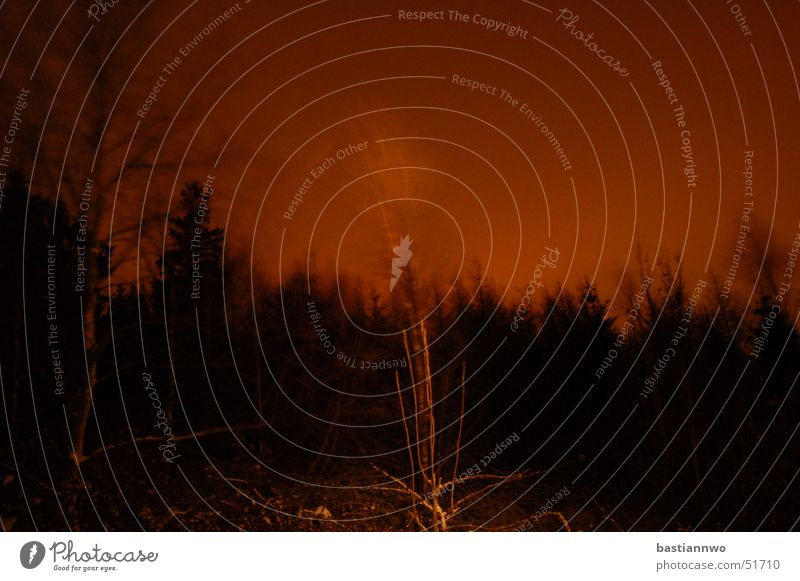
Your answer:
<point x="484" y="131"/>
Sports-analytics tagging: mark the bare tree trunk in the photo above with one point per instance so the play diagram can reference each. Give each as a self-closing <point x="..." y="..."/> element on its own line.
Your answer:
<point x="83" y="397"/>
<point x="418" y="355"/>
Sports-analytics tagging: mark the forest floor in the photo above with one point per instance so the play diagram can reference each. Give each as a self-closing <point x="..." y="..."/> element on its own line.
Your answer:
<point x="200" y="492"/>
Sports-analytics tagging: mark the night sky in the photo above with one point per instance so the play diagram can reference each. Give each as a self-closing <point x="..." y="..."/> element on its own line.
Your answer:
<point x="488" y="130"/>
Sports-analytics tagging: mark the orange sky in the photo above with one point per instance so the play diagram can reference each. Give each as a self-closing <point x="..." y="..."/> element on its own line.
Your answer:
<point x="259" y="103"/>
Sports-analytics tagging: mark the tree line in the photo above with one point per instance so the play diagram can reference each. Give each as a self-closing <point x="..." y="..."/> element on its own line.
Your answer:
<point x="669" y="415"/>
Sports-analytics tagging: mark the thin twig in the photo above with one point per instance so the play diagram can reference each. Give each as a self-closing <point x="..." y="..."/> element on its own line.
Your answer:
<point x="416" y="405"/>
<point x="606" y="516"/>
<point x="408" y="437"/>
<point x="511" y="478"/>
<point x="180" y="438"/>
<point x="399" y="482"/>
<point x="431" y="427"/>
<point x="561" y="517"/>
<point x="460" y="428"/>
